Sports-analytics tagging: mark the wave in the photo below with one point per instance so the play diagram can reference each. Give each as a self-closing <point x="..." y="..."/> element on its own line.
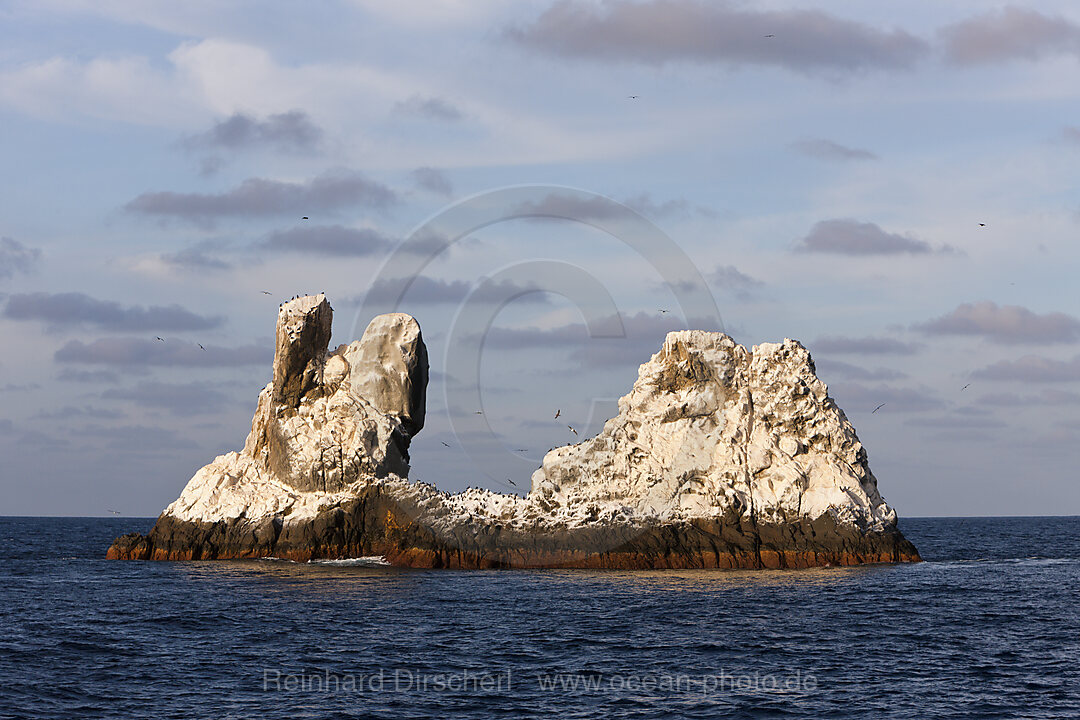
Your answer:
<point x="367" y="561"/>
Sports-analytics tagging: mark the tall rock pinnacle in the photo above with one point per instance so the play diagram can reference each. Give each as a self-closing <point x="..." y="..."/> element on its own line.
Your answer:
<point x="303" y="332"/>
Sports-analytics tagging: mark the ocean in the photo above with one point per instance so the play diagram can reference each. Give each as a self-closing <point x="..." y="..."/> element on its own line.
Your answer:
<point x="987" y="627"/>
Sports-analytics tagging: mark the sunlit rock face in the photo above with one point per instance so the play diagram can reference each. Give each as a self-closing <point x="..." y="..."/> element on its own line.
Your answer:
<point x="711" y="427"/>
<point x="719" y="457"/>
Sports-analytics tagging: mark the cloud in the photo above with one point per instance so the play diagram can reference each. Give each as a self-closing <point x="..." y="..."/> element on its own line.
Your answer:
<point x="194" y="258"/>
<point x="645" y="205"/>
<point x="1032" y="368"/>
<point x="256" y="197"/>
<point x="16" y="257"/>
<point x="730" y="279"/>
<point x="863" y="346"/>
<point x="1009" y="324"/>
<point x="333" y="240"/>
<point x="561" y="205"/>
<point x="1046" y="397"/>
<point x="829" y="150"/>
<point x="644" y="335"/>
<point x="176" y="398"/>
<point x="87" y="376"/>
<point x="6" y="426"/>
<point x="139" y="352"/>
<point x="86" y="411"/>
<point x="433" y="180"/>
<point x="1009" y="34"/>
<point x="431" y="291"/>
<point x="835" y="368"/>
<point x="77" y="309"/>
<point x="138" y="438"/>
<point x="432" y="108"/>
<point x="19" y="387"/>
<point x="661" y="31"/>
<point x="291" y="131"/>
<point x="957" y="422"/>
<point x="851" y="237"/>
<point x="855" y="396"/>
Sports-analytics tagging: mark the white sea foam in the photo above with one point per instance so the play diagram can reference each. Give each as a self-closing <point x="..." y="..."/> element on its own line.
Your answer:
<point x="366" y="561"/>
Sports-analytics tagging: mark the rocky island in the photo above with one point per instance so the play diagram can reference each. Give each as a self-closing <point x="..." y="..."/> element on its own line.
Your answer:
<point x="720" y="457"/>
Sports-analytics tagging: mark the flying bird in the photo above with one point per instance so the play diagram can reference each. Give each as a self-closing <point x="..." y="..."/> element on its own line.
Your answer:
<point x="965" y="387"/>
<point x="479" y="412"/>
<point x="201" y="347"/>
<point x="878" y="408"/>
<point x="572" y="429"/>
<point x="444" y="443"/>
<point x="511" y="482"/>
<point x="267" y="292"/>
<point x="982" y="224"/>
<point x="160" y="338"/>
<point x="631" y="97"/>
<point x="558" y="413"/>
<point x="663" y="311"/>
<point x="770" y="36"/>
<point x="522" y="450"/>
<point x="304" y="218"/>
<point x="114" y="512"/>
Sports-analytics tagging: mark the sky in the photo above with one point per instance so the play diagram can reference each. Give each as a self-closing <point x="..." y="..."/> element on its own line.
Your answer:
<point x="894" y="184"/>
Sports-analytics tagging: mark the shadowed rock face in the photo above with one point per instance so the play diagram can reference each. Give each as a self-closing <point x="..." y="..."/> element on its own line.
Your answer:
<point x="303" y="332"/>
<point x="720" y="457"/>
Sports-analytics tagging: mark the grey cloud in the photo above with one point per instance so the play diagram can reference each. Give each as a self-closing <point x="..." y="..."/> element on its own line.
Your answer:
<point x="77" y="309"/>
<point x="1004" y="324"/>
<point x="863" y="346"/>
<point x="196" y="258"/>
<point x="433" y="180"/>
<point x="6" y="426"/>
<point x="730" y="279"/>
<point x="560" y="205"/>
<point x="851" y="237"/>
<point x="19" y="387"/>
<point x="660" y="31"/>
<point x="835" y="368"/>
<point x="864" y="398"/>
<point x="1032" y="368"/>
<point x="829" y="150"/>
<point x="260" y="197"/>
<point x="1071" y="133"/>
<point x="1046" y="397"/>
<point x="87" y="376"/>
<point x="644" y="334"/>
<point x="957" y="422"/>
<point x="16" y="257"/>
<point x="86" y="411"/>
<point x="433" y="108"/>
<point x="1008" y="34"/>
<point x="333" y="240"/>
<point x="139" y="352"/>
<point x="290" y="131"/>
<point x="176" y="398"/>
<point x="431" y="291"/>
<point x="648" y="207"/>
<point x="138" y="438"/>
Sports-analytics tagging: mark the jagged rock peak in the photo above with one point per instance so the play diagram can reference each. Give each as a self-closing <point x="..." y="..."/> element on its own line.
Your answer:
<point x="303" y="333"/>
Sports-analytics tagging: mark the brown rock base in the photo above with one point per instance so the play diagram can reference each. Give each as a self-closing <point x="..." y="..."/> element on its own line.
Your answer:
<point x="377" y="524"/>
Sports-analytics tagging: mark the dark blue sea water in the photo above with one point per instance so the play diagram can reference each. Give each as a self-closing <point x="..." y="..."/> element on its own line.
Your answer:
<point x="988" y="627"/>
